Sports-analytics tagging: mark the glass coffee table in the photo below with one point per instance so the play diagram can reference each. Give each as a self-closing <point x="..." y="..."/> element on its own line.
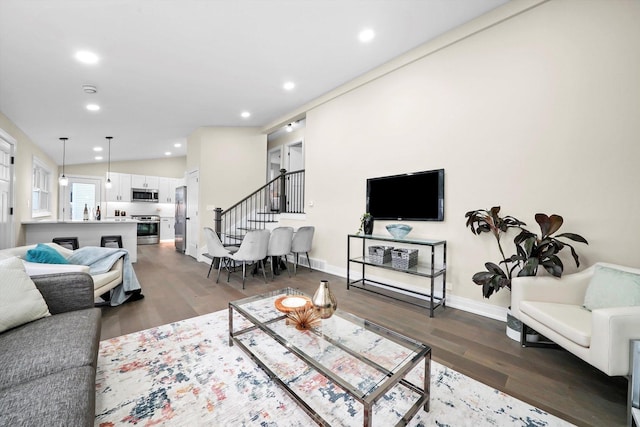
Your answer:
<point x="344" y="371"/>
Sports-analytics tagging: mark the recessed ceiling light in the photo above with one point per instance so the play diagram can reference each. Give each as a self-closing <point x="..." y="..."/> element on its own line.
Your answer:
<point x="245" y="114"/>
<point x="167" y="153"/>
<point x="289" y="86"/>
<point x="93" y="107"/>
<point x="87" y="57"/>
<point x="97" y="148"/>
<point x="98" y="157"/>
<point x="177" y="145"/>
<point x="366" y="35"/>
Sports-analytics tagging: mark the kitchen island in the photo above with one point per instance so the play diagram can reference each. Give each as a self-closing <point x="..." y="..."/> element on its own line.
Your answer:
<point x="87" y="232"/>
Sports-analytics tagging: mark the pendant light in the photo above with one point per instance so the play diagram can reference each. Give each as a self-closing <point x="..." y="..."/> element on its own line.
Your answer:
<point x="63" y="180"/>
<point x="107" y="184"/>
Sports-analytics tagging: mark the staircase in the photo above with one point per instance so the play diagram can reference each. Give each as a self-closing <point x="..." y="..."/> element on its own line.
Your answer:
<point x="283" y="194"/>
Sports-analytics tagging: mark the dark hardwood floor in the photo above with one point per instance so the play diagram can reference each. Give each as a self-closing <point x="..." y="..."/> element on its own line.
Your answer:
<point x="176" y="288"/>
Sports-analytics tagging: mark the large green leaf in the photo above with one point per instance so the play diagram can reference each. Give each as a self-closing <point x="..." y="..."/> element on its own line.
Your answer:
<point x="553" y="266"/>
<point x="493" y="268"/>
<point x="574" y="237"/>
<point x="530" y="268"/>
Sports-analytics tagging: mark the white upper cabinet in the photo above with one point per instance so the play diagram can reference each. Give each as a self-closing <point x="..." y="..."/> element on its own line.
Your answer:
<point x="120" y="190"/>
<point x="167" y="189"/>
<point x="142" y="181"/>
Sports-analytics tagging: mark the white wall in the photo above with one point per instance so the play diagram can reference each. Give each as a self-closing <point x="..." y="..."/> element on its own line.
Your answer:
<point x="232" y="165"/>
<point x="538" y="113"/>
<point x="172" y="167"/>
<point x="25" y="150"/>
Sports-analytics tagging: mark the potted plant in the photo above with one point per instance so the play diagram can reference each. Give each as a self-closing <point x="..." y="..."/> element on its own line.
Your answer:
<point x="532" y="251"/>
<point x="489" y="221"/>
<point x="366" y="223"/>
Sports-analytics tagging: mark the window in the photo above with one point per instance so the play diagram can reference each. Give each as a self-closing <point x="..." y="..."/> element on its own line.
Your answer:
<point x="41" y="193"/>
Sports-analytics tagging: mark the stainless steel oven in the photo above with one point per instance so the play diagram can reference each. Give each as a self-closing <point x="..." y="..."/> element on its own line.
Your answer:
<point x="148" y="229"/>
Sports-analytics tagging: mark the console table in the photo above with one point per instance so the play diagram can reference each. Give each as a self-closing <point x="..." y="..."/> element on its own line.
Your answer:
<point x="435" y="268"/>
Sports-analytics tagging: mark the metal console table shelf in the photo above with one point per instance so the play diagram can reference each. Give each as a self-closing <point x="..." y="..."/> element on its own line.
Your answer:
<point x="434" y="268"/>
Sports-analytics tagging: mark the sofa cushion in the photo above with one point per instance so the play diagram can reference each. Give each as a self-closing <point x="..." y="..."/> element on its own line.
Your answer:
<point x="100" y="280"/>
<point x="56" y="343"/>
<point x="612" y="288"/>
<point x="21" y="301"/>
<point x="61" y="399"/>
<point x="45" y="254"/>
<point x="571" y="321"/>
<point x="37" y="269"/>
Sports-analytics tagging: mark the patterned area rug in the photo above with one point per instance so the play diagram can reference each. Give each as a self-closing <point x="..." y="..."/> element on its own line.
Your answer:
<point x="185" y="374"/>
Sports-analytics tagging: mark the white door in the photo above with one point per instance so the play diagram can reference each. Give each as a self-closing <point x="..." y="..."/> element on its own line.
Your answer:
<point x="274" y="163"/>
<point x="193" y="224"/>
<point x="6" y="193"/>
<point x="295" y="157"/>
<point x="295" y="182"/>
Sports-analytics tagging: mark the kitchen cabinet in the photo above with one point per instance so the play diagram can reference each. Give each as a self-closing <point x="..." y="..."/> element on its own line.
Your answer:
<point x="120" y="190"/>
<point x="142" y="181"/>
<point x="167" y="231"/>
<point x="167" y="189"/>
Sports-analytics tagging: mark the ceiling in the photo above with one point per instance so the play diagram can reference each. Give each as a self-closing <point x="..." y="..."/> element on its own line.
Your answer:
<point x="167" y="67"/>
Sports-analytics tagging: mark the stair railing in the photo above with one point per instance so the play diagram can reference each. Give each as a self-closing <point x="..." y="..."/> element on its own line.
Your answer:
<point x="285" y="193"/>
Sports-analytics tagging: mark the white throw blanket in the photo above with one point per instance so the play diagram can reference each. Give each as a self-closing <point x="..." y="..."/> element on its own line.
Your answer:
<point x="100" y="260"/>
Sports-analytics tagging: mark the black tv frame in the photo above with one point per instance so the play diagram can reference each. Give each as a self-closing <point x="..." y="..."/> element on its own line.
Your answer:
<point x="401" y="179"/>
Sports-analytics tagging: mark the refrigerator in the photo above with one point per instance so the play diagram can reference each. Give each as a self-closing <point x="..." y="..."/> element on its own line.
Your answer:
<point x="180" y="226"/>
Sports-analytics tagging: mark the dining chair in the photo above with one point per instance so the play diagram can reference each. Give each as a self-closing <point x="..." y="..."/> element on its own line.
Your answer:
<point x="253" y="250"/>
<point x="215" y="249"/>
<point x="301" y="243"/>
<point x="279" y="246"/>
<point x="67" y="242"/>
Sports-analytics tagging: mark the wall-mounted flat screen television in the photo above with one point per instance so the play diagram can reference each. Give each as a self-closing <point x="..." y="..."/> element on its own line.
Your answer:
<point x="417" y="196"/>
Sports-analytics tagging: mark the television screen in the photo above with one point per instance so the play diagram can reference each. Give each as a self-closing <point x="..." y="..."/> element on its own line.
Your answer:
<point x="417" y="196"/>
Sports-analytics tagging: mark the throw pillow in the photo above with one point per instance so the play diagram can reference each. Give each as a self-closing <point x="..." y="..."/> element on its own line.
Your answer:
<point x="45" y="254"/>
<point x="612" y="288"/>
<point x="21" y="301"/>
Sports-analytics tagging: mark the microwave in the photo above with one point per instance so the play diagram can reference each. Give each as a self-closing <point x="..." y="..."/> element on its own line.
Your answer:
<point x="144" y="195"/>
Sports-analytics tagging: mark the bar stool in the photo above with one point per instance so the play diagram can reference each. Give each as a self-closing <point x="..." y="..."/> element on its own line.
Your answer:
<point x="111" y="241"/>
<point x="67" y="242"/>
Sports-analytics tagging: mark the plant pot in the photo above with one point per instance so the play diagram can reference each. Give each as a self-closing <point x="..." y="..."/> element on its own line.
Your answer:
<point x="367" y="225"/>
<point x="514" y="328"/>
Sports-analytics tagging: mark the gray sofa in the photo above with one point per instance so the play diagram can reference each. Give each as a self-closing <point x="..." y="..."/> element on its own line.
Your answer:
<point x="49" y="365"/>
<point x="102" y="282"/>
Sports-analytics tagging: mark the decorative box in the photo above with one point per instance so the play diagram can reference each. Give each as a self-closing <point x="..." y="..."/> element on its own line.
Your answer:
<point x="380" y="254"/>
<point x="404" y="258"/>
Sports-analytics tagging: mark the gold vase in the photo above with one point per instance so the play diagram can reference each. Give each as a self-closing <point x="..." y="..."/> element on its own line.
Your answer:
<point x="324" y="301"/>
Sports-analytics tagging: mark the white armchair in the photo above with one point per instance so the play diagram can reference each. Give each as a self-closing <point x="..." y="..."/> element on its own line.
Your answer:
<point x="554" y="308"/>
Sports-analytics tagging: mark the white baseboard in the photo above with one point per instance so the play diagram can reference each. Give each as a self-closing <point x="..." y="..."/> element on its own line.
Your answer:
<point x="472" y="306"/>
<point x="469" y="305"/>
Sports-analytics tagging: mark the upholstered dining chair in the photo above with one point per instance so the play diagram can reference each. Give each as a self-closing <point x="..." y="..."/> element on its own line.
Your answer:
<point x="279" y="246"/>
<point x="215" y="249"/>
<point x="253" y="250"/>
<point x="301" y="243"/>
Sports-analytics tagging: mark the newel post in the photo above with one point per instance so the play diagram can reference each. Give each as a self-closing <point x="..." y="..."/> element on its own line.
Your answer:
<point x="283" y="191"/>
<point x="217" y="220"/>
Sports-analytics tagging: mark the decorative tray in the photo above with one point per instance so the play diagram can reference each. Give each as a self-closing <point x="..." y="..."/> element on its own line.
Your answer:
<point x="289" y="303"/>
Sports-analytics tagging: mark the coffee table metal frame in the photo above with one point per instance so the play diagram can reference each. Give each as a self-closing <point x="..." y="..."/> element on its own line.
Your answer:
<point x="368" y="399"/>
